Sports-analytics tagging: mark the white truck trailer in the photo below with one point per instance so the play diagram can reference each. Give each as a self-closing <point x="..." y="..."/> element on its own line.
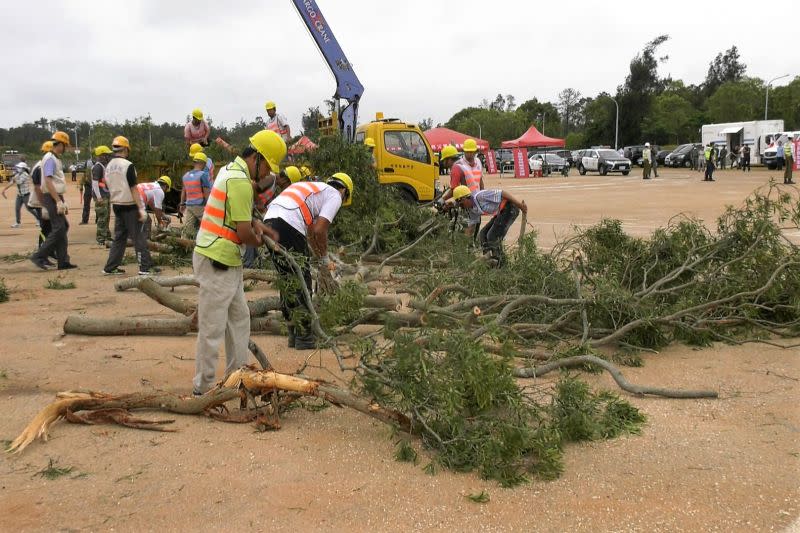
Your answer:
<point x="757" y="134"/>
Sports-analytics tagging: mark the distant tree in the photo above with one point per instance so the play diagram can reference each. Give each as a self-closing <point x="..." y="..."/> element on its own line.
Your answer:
<point x="568" y="102"/>
<point x="541" y="114"/>
<point x="724" y="68"/>
<point x="669" y="120"/>
<point x="600" y="114"/>
<point x="425" y="124"/>
<point x="736" y="101"/>
<point x="784" y="102"/>
<point x="499" y="103"/>
<point x="574" y="141"/>
<point x="511" y="103"/>
<point x="636" y="95"/>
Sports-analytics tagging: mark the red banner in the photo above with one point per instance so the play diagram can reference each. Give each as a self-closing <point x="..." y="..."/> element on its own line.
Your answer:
<point x="491" y="162"/>
<point x="521" y="169"/>
<point x="795" y="152"/>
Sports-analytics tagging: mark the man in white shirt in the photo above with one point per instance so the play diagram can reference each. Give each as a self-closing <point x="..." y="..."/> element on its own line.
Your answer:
<point x="152" y="195"/>
<point x="276" y="122"/>
<point x="301" y="215"/>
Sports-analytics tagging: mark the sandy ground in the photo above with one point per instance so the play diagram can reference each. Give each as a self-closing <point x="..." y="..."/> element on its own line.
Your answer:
<point x="731" y="464"/>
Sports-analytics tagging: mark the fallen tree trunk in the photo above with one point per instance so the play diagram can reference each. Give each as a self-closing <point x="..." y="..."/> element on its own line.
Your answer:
<point x="84" y="325"/>
<point x="254" y="382"/>
<point x="176" y="281"/>
<point x="568" y="362"/>
<point x="166" y="297"/>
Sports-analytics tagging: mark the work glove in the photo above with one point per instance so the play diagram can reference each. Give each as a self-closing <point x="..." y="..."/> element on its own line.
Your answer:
<point x="142" y="215"/>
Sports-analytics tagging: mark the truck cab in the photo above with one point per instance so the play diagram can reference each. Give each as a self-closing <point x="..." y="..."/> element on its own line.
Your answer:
<point x="403" y="157"/>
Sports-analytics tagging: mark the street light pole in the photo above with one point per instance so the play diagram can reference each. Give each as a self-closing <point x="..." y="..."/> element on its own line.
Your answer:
<point x="480" y="131"/>
<point x="77" y="146"/>
<point x="766" y="100"/>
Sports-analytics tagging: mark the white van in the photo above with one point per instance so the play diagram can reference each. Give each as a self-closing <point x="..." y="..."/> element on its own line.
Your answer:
<point x="759" y="135"/>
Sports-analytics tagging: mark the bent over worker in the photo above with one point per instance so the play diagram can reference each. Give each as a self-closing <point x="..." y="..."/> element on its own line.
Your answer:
<point x="466" y="171"/>
<point x="503" y="208"/>
<point x="222" y="312"/>
<point x="301" y="215"/>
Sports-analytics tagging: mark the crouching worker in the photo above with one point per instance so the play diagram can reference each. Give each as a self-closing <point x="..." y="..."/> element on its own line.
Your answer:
<point x="222" y="312"/>
<point x="301" y="216"/>
<point x="501" y="206"/>
<point x="152" y="195"/>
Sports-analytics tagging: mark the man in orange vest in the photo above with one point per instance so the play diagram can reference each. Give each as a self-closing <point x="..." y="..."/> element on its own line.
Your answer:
<point x="467" y="171"/>
<point x="196" y="187"/>
<point x="276" y="122"/>
<point x="222" y="312"/>
<point x="504" y="209"/>
<point x="301" y="216"/>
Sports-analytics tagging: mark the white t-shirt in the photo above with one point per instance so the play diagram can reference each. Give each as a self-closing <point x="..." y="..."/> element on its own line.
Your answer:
<point x="325" y="204"/>
<point x="155" y="197"/>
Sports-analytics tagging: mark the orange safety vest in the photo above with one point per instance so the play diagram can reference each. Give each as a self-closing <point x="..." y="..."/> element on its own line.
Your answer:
<point x="266" y="197"/>
<point x="472" y="175"/>
<point x="298" y="193"/>
<point x="193" y="185"/>
<point x="274" y="126"/>
<point x="143" y="188"/>
<point x="214" y="216"/>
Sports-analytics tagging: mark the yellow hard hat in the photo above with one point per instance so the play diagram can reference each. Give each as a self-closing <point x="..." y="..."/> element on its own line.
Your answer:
<point x="197" y="113"/>
<point x="194" y="148"/>
<point x="470" y="145"/>
<point x="102" y="150"/>
<point x="448" y="152"/>
<point x="305" y="171"/>
<point x="60" y="137"/>
<point x="166" y="180"/>
<point x="369" y="141"/>
<point x="120" y="142"/>
<point x="460" y="192"/>
<point x="200" y="156"/>
<point x="269" y="105"/>
<point x="270" y="145"/>
<point x="47" y="146"/>
<point x="345" y="180"/>
<point x="293" y="173"/>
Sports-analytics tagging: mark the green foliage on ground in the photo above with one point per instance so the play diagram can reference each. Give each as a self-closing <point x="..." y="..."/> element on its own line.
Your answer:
<point x="4" y="292"/>
<point x="58" y="284"/>
<point x="472" y="415"/>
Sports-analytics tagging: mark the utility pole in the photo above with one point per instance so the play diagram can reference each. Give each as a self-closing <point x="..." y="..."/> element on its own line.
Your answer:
<point x="480" y="131"/>
<point x="766" y="100"/>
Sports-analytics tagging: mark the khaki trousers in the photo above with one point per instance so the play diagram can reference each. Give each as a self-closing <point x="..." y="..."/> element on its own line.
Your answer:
<point x="222" y="313"/>
<point x="191" y="221"/>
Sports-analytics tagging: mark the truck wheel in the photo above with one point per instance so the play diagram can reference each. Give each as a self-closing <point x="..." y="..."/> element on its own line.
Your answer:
<point x="581" y="170"/>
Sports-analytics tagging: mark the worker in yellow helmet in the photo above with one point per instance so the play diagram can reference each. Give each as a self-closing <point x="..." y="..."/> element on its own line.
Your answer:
<point x="501" y="205"/>
<point x="194" y="149"/>
<point x="467" y="171"/>
<point x="369" y="142"/>
<point x="152" y="195"/>
<point x="35" y="199"/>
<point x="194" y="195"/>
<point x="129" y="210"/>
<point x="276" y="122"/>
<point x="53" y="189"/>
<point x="197" y="129"/>
<point x="301" y="216"/>
<point x="227" y="224"/>
<point x="102" y="209"/>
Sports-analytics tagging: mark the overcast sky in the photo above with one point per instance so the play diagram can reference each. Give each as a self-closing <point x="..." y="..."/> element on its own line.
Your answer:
<point x="93" y="59"/>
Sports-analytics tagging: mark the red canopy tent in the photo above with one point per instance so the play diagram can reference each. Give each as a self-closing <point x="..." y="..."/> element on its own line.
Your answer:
<point x="532" y="139"/>
<point x="441" y="137"/>
<point x="303" y="144"/>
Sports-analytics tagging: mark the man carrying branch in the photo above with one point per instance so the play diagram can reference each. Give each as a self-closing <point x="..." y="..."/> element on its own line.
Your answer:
<point x="501" y="206"/>
<point x="301" y="215"/>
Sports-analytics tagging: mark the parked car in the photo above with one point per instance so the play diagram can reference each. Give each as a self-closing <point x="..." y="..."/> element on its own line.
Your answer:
<point x="604" y="160"/>
<point x="661" y="156"/>
<point x="564" y="154"/>
<point x="550" y="162"/>
<point x="504" y="158"/>
<point x="682" y="155"/>
<point x="634" y="153"/>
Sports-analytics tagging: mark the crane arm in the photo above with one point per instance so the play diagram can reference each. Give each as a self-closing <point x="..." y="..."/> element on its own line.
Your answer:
<point x="348" y="87"/>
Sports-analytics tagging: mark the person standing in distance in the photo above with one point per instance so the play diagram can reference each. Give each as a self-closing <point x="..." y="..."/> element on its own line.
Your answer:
<point x="277" y="123"/>
<point x="197" y="129"/>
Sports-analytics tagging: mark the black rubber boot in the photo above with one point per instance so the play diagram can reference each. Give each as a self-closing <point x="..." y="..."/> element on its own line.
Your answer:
<point x="291" y="337"/>
<point x="305" y="342"/>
